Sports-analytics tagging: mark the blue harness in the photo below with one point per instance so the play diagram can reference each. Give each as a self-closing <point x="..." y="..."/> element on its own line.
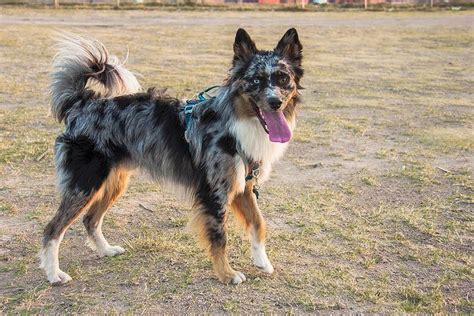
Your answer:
<point x="202" y="96"/>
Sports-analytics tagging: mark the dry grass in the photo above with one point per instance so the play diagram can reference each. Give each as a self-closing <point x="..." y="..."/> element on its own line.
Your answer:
<point x="361" y="215"/>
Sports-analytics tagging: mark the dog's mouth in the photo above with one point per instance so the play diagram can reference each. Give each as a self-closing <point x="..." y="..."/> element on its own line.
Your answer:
<point x="274" y="124"/>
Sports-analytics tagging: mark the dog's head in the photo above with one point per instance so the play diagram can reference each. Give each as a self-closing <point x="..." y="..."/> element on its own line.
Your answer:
<point x="267" y="82"/>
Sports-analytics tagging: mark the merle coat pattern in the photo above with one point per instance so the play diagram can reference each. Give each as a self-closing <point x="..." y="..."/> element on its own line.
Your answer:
<point x="112" y="128"/>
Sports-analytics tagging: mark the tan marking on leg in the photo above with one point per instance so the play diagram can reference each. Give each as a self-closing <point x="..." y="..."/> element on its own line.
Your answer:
<point x="246" y="208"/>
<point x="218" y="252"/>
<point x="221" y="264"/>
<point x="198" y="224"/>
<point x="248" y="213"/>
<point x="222" y="268"/>
<point x="114" y="186"/>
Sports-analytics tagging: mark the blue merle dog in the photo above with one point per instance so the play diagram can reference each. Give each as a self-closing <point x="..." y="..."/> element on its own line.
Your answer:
<point x="112" y="128"/>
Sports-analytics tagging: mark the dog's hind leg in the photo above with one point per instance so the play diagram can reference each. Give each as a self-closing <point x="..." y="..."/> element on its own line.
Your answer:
<point x="81" y="170"/>
<point x="246" y="208"/>
<point x="71" y="207"/>
<point x="114" y="187"/>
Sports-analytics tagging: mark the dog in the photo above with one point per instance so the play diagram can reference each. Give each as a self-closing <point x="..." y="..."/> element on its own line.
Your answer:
<point x="219" y="151"/>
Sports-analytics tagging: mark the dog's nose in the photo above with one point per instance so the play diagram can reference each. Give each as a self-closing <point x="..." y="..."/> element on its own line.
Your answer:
<point x="275" y="103"/>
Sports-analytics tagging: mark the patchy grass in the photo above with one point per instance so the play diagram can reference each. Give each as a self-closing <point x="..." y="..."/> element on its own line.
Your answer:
<point x="27" y="136"/>
<point x="370" y="211"/>
<point x="448" y="139"/>
<point x="6" y="207"/>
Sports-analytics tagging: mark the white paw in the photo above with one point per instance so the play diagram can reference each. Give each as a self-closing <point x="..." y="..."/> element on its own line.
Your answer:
<point x="59" y="278"/>
<point x="111" y="251"/>
<point x="238" y="278"/>
<point x="260" y="260"/>
<point x="265" y="267"/>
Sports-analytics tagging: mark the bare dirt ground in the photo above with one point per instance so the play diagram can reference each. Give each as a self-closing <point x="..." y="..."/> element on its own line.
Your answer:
<point x="371" y="210"/>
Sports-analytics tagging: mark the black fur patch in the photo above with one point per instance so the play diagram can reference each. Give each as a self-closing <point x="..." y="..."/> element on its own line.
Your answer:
<point x="170" y="130"/>
<point x="209" y="116"/>
<point x="87" y="95"/>
<point x="99" y="107"/>
<point x="86" y="220"/>
<point x="98" y="126"/>
<point x="87" y="166"/>
<point x="240" y="70"/>
<point x="216" y="236"/>
<point x="206" y="140"/>
<point x="124" y="101"/>
<point x="83" y="96"/>
<point x="209" y="200"/>
<point x="72" y="124"/>
<point x="122" y="126"/>
<point x="228" y="144"/>
<point x="70" y="206"/>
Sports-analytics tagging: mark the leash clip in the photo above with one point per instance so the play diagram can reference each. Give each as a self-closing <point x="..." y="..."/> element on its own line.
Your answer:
<point x="254" y="173"/>
<point x="256" y="170"/>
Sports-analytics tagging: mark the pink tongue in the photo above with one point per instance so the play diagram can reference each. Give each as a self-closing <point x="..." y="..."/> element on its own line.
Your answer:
<point x="278" y="128"/>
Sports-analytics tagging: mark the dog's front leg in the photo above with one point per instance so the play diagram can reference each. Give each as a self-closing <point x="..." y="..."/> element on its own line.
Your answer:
<point x="221" y="265"/>
<point x="246" y="208"/>
<point x="210" y="222"/>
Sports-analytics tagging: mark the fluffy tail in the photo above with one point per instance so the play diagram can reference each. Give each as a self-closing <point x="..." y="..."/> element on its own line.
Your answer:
<point x="78" y="60"/>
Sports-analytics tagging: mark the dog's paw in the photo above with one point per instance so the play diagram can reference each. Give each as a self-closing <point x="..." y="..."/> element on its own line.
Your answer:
<point x="261" y="261"/>
<point x="59" y="278"/>
<point x="265" y="267"/>
<point x="111" y="251"/>
<point x="238" y="278"/>
<point x="232" y="277"/>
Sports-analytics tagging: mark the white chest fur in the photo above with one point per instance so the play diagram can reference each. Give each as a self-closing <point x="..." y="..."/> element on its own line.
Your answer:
<point x="255" y="144"/>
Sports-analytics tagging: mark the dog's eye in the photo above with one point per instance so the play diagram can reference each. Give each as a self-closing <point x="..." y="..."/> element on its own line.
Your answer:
<point x="283" y="79"/>
<point x="256" y="81"/>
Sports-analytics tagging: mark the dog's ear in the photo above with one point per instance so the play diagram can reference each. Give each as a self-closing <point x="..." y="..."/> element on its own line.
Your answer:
<point x="290" y="48"/>
<point x="244" y="47"/>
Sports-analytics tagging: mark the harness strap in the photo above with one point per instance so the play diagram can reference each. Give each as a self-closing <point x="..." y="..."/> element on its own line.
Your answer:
<point x="201" y="97"/>
<point x="190" y="104"/>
